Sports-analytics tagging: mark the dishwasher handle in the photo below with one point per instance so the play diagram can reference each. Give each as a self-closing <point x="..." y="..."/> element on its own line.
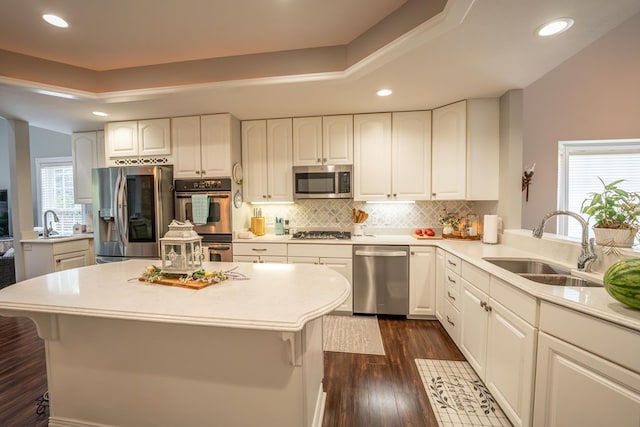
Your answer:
<point x="382" y="253"/>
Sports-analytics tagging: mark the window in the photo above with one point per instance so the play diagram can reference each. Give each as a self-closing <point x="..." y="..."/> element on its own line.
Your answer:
<point x="580" y="163"/>
<point x="55" y="192"/>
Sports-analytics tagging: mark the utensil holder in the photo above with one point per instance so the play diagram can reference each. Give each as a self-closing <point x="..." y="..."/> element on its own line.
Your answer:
<point x="358" y="229"/>
<point x="257" y="225"/>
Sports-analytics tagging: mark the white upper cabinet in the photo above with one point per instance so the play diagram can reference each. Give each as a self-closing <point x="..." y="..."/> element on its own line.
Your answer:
<point x="371" y="156"/>
<point x="87" y="150"/>
<point x="392" y="156"/>
<point x="138" y="138"/>
<point x="185" y="135"/>
<point x="337" y="140"/>
<point x="267" y="157"/>
<point x="411" y="155"/>
<point x="323" y="140"/>
<point x="121" y="139"/>
<point x="280" y="160"/>
<point x="154" y="137"/>
<point x="204" y="146"/>
<point x="450" y="152"/>
<point x="465" y="163"/>
<point x="307" y="141"/>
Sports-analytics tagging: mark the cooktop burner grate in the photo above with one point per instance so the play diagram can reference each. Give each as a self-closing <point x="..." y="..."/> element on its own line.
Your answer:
<point x="322" y="235"/>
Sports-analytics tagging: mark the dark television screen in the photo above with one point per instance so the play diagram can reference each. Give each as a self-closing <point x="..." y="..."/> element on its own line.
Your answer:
<point x="4" y="213"/>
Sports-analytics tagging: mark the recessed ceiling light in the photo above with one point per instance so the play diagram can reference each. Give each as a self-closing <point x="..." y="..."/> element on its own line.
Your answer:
<point x="55" y="21"/>
<point x="100" y="113"/>
<point x="556" y="26"/>
<point x="384" y="92"/>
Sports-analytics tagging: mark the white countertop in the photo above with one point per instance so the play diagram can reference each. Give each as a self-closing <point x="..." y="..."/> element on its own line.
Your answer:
<point x="279" y="297"/>
<point x="59" y="239"/>
<point x="590" y="300"/>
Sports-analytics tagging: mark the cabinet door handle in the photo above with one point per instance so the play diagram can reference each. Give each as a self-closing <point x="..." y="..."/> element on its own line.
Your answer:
<point x="487" y="307"/>
<point x="58" y="261"/>
<point x="451" y="296"/>
<point x="258" y="249"/>
<point x="395" y="195"/>
<point x="264" y="196"/>
<point x="452" y="263"/>
<point x="450" y="322"/>
<point x="413" y="253"/>
<point x="269" y="196"/>
<point x="451" y="280"/>
<point x="483" y="304"/>
<point x="324" y="159"/>
<point x="317" y="160"/>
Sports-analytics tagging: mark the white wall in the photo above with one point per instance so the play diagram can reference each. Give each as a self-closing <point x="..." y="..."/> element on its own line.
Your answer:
<point x="593" y="95"/>
<point x="4" y="155"/>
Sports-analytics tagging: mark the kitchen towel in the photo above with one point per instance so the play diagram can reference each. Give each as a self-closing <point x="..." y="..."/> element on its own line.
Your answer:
<point x="490" y="234"/>
<point x="200" y="208"/>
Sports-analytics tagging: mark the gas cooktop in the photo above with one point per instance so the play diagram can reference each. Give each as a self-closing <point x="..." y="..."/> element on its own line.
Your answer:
<point x="322" y="235"/>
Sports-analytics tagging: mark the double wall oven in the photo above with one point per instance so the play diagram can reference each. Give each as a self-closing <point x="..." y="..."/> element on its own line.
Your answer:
<point x="213" y="216"/>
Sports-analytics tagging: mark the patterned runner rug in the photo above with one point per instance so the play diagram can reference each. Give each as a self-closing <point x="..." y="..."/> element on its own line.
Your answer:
<point x="457" y="396"/>
<point x="352" y="334"/>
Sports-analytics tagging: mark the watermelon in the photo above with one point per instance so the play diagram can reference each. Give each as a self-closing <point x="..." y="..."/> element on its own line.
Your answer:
<point x="622" y="281"/>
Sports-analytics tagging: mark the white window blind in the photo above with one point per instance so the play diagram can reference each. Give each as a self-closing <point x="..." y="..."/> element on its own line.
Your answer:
<point x="580" y="165"/>
<point x="55" y="193"/>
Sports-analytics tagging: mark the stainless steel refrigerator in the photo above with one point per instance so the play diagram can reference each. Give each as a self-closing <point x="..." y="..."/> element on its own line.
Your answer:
<point x="132" y="208"/>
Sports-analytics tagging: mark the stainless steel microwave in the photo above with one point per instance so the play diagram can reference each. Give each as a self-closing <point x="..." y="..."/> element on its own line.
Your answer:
<point x="322" y="182"/>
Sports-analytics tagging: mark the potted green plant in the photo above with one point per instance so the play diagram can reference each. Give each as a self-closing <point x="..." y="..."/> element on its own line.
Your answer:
<point x="449" y="222"/>
<point x="616" y="214"/>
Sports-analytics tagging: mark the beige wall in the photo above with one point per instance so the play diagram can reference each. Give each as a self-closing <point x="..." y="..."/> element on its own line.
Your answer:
<point x="593" y="95"/>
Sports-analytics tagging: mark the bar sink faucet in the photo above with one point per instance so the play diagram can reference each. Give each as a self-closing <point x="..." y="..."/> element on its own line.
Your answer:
<point x="48" y="229"/>
<point x="587" y="254"/>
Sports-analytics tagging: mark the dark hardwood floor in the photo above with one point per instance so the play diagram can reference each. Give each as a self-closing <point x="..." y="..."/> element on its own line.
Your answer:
<point x="362" y="390"/>
<point x="386" y="391"/>
<point x="23" y="373"/>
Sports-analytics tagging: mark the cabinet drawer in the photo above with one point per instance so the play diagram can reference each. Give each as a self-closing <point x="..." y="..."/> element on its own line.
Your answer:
<point x="452" y="262"/>
<point x="520" y="303"/>
<point x="452" y="289"/>
<point x="320" y="251"/>
<point x="70" y="246"/>
<point x="615" y="343"/>
<point x="260" y="249"/>
<point x="450" y="321"/>
<point x="476" y="276"/>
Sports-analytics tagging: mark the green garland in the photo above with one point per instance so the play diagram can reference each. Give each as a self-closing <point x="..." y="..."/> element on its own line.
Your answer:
<point x="153" y="274"/>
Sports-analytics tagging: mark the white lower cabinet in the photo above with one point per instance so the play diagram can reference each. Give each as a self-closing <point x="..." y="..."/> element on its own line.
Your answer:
<point x="587" y="371"/>
<point x="47" y="257"/>
<point x="422" y="291"/>
<point x="439" y="282"/>
<point x="500" y="342"/>
<point x="336" y="257"/>
<point x="260" y="252"/>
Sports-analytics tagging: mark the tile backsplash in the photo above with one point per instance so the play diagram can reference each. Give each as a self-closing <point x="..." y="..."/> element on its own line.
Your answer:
<point x="336" y="213"/>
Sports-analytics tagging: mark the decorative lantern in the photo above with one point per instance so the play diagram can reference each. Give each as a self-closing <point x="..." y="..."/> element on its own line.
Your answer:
<point x="181" y="249"/>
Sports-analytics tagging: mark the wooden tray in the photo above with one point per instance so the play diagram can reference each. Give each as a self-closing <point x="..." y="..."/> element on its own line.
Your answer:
<point x="436" y="237"/>
<point x="453" y="237"/>
<point x="193" y="284"/>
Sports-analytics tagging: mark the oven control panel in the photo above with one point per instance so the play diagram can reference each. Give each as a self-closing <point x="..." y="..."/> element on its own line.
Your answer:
<point x="219" y="184"/>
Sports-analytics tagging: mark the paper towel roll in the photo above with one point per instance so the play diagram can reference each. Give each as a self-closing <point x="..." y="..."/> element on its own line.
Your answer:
<point x="490" y="234"/>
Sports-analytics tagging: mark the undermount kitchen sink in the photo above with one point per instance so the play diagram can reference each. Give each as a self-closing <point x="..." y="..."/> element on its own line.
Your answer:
<point x="541" y="272"/>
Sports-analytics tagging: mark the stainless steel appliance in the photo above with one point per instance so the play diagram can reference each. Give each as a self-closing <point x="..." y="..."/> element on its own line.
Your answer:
<point x="216" y="230"/>
<point x="381" y="279"/>
<point x="322" y="182"/>
<point x="134" y="207"/>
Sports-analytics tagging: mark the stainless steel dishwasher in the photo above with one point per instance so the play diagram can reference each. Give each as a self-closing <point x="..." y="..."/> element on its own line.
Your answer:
<point x="381" y="279"/>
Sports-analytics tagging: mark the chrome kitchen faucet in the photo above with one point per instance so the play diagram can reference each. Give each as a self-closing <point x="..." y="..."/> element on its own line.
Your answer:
<point x="587" y="254"/>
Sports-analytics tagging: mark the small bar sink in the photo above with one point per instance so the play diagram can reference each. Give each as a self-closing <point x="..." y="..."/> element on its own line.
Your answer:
<point x="527" y="266"/>
<point x="541" y="272"/>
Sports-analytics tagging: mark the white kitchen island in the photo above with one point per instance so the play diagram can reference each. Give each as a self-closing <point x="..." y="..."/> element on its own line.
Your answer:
<point x="126" y="353"/>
